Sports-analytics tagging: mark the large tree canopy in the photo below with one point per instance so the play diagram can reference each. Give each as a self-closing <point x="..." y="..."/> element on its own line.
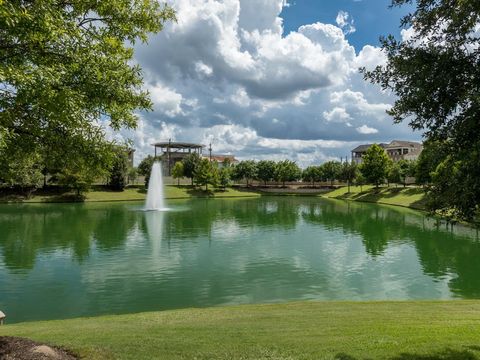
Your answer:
<point x="435" y="75"/>
<point x="65" y="68"/>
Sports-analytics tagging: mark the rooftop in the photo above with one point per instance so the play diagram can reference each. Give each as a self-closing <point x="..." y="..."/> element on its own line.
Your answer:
<point x="392" y="144"/>
<point x="364" y="147"/>
<point x="178" y="145"/>
<point x="401" y="143"/>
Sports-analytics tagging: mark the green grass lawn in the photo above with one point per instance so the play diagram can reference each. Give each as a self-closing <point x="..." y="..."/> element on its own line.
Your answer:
<point x="306" y="330"/>
<point x="412" y="197"/>
<point x="131" y="194"/>
<point x="171" y="192"/>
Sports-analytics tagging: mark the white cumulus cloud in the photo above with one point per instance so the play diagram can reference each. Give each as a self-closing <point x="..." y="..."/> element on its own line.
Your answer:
<point x="364" y="129"/>
<point x="226" y="71"/>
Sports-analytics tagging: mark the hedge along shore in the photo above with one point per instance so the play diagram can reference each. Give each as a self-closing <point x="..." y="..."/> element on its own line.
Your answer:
<point x="304" y="330"/>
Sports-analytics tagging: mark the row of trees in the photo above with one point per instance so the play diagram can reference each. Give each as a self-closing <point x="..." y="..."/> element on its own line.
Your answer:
<point x="376" y="168"/>
<point x="32" y="172"/>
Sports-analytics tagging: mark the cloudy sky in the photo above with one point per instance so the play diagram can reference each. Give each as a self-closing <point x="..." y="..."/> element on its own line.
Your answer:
<point x="269" y="79"/>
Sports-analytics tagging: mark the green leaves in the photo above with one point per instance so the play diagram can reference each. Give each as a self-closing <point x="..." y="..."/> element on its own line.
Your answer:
<point x="375" y="165"/>
<point x="266" y="170"/>
<point x="434" y="75"/>
<point x="206" y="173"/>
<point x="287" y="170"/>
<point x="65" y="68"/>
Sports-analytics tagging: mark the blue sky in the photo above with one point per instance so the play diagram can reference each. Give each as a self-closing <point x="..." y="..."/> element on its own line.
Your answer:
<point x="372" y="18"/>
<point x="261" y="80"/>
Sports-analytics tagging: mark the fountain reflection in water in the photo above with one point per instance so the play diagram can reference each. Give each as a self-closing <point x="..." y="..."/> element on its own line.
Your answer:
<point x="155" y="198"/>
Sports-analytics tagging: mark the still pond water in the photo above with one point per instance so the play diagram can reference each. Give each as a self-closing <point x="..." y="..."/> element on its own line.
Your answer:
<point x="62" y="260"/>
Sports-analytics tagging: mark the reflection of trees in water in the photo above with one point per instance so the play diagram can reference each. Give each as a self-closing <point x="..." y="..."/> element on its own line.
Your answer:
<point x="203" y="214"/>
<point x="440" y="251"/>
<point x="30" y="230"/>
<point x="112" y="226"/>
<point x="27" y="231"/>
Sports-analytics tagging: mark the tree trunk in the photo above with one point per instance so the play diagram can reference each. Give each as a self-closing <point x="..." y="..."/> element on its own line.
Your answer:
<point x="348" y="183"/>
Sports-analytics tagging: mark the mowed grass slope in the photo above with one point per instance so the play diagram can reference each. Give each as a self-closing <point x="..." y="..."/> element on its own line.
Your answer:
<point x="307" y="330"/>
<point x="133" y="193"/>
<point x="413" y="197"/>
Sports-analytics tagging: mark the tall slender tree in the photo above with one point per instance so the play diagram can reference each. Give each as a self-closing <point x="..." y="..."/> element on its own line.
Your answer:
<point x="375" y="165"/>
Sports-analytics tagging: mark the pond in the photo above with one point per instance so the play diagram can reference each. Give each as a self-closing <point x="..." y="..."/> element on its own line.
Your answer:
<point x="68" y="260"/>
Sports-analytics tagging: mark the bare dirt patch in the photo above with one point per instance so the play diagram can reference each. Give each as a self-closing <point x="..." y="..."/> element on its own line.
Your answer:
<point x="12" y="348"/>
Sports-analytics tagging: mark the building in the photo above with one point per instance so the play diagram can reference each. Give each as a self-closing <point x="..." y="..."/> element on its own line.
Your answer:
<point x="173" y="152"/>
<point x="397" y="150"/>
<point x="222" y="159"/>
<point x="130" y="154"/>
<point x="403" y="150"/>
<point x="360" y="150"/>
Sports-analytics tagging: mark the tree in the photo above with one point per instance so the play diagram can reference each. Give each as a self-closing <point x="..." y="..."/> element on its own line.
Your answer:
<point x="190" y="163"/>
<point x="406" y="168"/>
<point x="21" y="171"/>
<point x="206" y="174"/>
<point x="226" y="163"/>
<point x="66" y="67"/>
<point x="78" y="176"/>
<point x="224" y="177"/>
<point x="266" y="170"/>
<point x="178" y="172"/>
<point x="434" y="75"/>
<point x="287" y="170"/>
<point x="310" y="174"/>
<point x="119" y="171"/>
<point x="245" y="170"/>
<point x="394" y="174"/>
<point x="375" y="165"/>
<point x="446" y="196"/>
<point x="319" y="174"/>
<point x="434" y="152"/>
<point x="348" y="173"/>
<point x="331" y="170"/>
<point x="132" y="174"/>
<point x="360" y="180"/>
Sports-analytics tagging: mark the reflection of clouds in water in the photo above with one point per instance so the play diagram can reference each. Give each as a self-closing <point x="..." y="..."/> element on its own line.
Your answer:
<point x="271" y="207"/>
<point x="223" y="251"/>
<point x="227" y="229"/>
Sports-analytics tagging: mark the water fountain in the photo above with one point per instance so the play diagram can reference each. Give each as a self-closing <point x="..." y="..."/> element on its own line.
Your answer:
<point x="155" y="198"/>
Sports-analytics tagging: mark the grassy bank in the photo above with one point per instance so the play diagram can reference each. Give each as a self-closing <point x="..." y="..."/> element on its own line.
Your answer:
<point x="129" y="194"/>
<point x="307" y="330"/>
<point x="412" y="197"/>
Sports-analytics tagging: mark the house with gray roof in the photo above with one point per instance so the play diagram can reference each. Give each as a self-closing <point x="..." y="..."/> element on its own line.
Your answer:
<point x="397" y="150"/>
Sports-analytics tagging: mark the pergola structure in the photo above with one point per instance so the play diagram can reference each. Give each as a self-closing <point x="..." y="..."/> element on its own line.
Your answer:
<point x="173" y="152"/>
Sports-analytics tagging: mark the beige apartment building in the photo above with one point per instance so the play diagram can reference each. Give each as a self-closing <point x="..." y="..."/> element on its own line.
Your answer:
<point x="397" y="150"/>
